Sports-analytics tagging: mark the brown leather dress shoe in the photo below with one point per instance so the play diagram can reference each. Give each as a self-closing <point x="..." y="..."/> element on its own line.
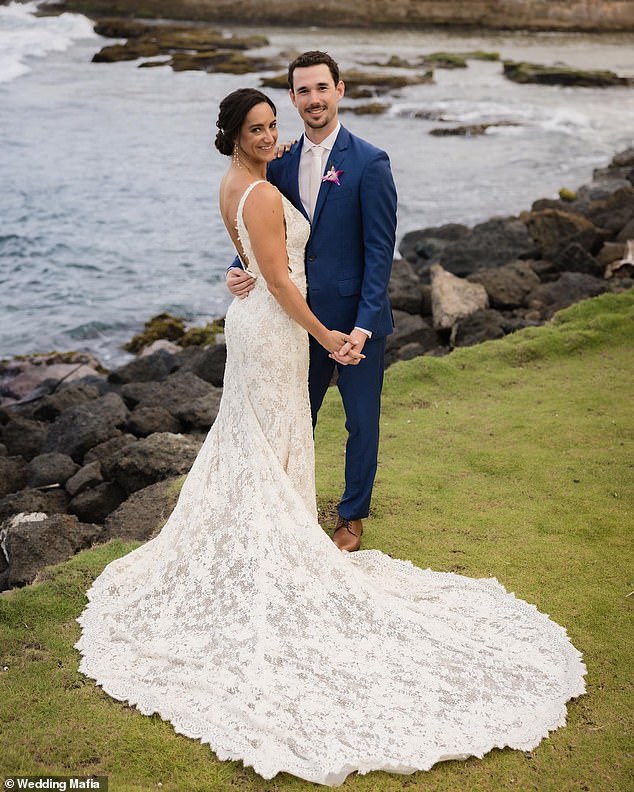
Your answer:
<point x="347" y="534"/>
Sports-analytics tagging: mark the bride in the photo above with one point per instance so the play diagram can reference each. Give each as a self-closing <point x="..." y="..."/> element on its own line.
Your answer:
<point x="243" y="624"/>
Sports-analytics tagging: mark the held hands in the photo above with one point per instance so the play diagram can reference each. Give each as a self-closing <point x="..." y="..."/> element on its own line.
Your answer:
<point x="239" y="282"/>
<point x="347" y="348"/>
<point x="350" y="354"/>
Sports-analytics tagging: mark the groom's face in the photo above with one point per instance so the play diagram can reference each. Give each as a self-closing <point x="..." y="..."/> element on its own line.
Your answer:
<point x="316" y="98"/>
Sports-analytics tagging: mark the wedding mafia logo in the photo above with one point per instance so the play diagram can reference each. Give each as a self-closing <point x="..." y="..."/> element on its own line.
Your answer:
<point x="58" y="783"/>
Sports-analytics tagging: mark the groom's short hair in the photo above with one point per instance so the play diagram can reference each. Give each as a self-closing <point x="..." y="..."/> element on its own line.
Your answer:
<point x="313" y="58"/>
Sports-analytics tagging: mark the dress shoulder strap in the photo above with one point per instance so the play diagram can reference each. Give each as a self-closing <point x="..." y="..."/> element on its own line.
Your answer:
<point x="246" y="194"/>
<point x="243" y="234"/>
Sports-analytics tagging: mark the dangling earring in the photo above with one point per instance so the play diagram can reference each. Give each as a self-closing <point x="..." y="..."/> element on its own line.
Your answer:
<point x="235" y="157"/>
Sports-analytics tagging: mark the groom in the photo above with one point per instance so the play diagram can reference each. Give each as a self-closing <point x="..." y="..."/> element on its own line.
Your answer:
<point x="344" y="186"/>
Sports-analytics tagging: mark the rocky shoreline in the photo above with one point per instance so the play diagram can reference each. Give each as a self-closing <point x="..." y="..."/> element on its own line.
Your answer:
<point x="195" y="46"/>
<point x="87" y="455"/>
<point x="565" y="15"/>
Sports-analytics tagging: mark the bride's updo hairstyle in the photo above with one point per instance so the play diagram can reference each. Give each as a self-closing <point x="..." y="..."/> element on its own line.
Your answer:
<point x="232" y="112"/>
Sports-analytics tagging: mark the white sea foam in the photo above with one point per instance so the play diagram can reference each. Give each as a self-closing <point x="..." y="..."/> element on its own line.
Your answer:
<point x="24" y="36"/>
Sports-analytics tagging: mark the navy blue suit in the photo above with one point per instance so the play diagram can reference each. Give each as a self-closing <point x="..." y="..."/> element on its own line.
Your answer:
<point x="348" y="263"/>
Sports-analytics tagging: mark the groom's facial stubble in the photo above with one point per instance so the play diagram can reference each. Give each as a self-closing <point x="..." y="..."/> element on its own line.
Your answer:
<point x="316" y="98"/>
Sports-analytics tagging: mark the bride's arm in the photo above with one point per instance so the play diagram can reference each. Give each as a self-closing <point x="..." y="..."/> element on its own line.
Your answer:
<point x="264" y="218"/>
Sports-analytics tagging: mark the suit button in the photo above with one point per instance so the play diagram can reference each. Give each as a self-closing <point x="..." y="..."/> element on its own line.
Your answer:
<point x="312" y="258"/>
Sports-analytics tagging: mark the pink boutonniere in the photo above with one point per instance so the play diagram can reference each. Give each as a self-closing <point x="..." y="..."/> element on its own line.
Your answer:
<point x="332" y="176"/>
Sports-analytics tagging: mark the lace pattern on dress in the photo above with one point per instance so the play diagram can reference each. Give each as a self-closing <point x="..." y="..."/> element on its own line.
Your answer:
<point x="244" y="626"/>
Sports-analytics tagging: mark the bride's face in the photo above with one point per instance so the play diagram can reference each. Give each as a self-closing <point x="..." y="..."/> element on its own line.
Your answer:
<point x="316" y="97"/>
<point x="258" y="135"/>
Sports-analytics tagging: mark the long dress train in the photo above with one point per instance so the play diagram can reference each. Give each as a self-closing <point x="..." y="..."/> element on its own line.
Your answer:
<point x="243" y="625"/>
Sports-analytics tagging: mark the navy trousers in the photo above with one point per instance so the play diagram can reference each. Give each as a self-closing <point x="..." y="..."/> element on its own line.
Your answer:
<point x="360" y="389"/>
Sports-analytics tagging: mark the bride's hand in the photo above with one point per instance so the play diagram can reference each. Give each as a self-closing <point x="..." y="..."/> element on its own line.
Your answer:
<point x="334" y="340"/>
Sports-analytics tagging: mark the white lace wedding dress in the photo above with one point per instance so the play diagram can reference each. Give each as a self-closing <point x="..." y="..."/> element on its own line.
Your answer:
<point x="243" y="625"/>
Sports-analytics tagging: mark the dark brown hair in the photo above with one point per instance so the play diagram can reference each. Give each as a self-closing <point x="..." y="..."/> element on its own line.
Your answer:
<point x="313" y="58"/>
<point x="232" y="111"/>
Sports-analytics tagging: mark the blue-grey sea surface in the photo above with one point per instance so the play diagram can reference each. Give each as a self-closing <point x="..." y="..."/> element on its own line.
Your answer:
<point x="109" y="179"/>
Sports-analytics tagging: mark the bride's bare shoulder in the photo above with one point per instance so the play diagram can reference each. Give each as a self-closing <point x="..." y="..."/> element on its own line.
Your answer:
<point x="263" y="197"/>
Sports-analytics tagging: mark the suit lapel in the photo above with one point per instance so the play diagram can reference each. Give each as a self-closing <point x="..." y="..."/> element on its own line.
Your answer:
<point x="292" y="173"/>
<point x="336" y="159"/>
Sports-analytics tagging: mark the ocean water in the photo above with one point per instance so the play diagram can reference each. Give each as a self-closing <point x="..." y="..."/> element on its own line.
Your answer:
<point x="108" y="176"/>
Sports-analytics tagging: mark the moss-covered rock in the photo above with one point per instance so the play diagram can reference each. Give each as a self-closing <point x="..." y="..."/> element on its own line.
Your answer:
<point x="202" y="336"/>
<point x="120" y="27"/>
<point x="163" y="325"/>
<point x="480" y="55"/>
<point x="132" y="50"/>
<point x="523" y="72"/>
<point x="469" y="130"/>
<point x="148" y="41"/>
<point x="393" y="62"/>
<point x="567" y="195"/>
<point x="361" y="84"/>
<point x="278" y="81"/>
<point x="445" y="60"/>
<point x="381" y="82"/>
<point x="370" y="108"/>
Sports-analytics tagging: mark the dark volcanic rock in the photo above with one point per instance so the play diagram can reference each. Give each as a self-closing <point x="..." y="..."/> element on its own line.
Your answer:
<point x="152" y="459"/>
<point x="96" y="503"/>
<point x="52" y="501"/>
<point x="200" y="413"/>
<point x="491" y="244"/>
<point x="79" y="429"/>
<point x="484" y="325"/>
<point x="405" y="288"/>
<point x="615" y="212"/>
<point x="611" y="251"/>
<point x="208" y="363"/>
<point x="409" y="328"/>
<point x="88" y="476"/>
<point x="509" y="285"/>
<point x="148" y="368"/>
<point x="549" y="228"/>
<point x="31" y="543"/>
<point x="63" y="399"/>
<point x="52" y="468"/>
<point x="145" y="421"/>
<point x="179" y="394"/>
<point x="574" y="258"/>
<point x="570" y="288"/>
<point x="24" y="437"/>
<point x="105" y="450"/>
<point x="12" y="474"/>
<point x="144" y="513"/>
<point x="424" y="247"/>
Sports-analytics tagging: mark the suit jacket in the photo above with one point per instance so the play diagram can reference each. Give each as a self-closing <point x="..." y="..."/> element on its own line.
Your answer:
<point x="351" y="246"/>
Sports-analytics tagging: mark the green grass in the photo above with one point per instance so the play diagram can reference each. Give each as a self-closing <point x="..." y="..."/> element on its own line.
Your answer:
<point x="511" y="459"/>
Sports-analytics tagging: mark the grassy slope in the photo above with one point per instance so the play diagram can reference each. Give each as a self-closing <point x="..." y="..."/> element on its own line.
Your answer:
<point x="512" y="459"/>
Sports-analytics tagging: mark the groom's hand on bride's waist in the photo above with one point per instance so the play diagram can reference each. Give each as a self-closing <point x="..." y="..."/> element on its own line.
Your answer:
<point x="239" y="282"/>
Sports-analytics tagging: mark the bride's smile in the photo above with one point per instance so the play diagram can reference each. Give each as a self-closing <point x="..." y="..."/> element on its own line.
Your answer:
<point x="258" y="136"/>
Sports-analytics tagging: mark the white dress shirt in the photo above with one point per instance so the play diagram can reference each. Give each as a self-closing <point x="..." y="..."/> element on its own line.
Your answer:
<point x="305" y="163"/>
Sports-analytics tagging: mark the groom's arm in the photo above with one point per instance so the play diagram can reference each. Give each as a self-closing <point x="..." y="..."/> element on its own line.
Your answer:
<point x="378" y="212"/>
